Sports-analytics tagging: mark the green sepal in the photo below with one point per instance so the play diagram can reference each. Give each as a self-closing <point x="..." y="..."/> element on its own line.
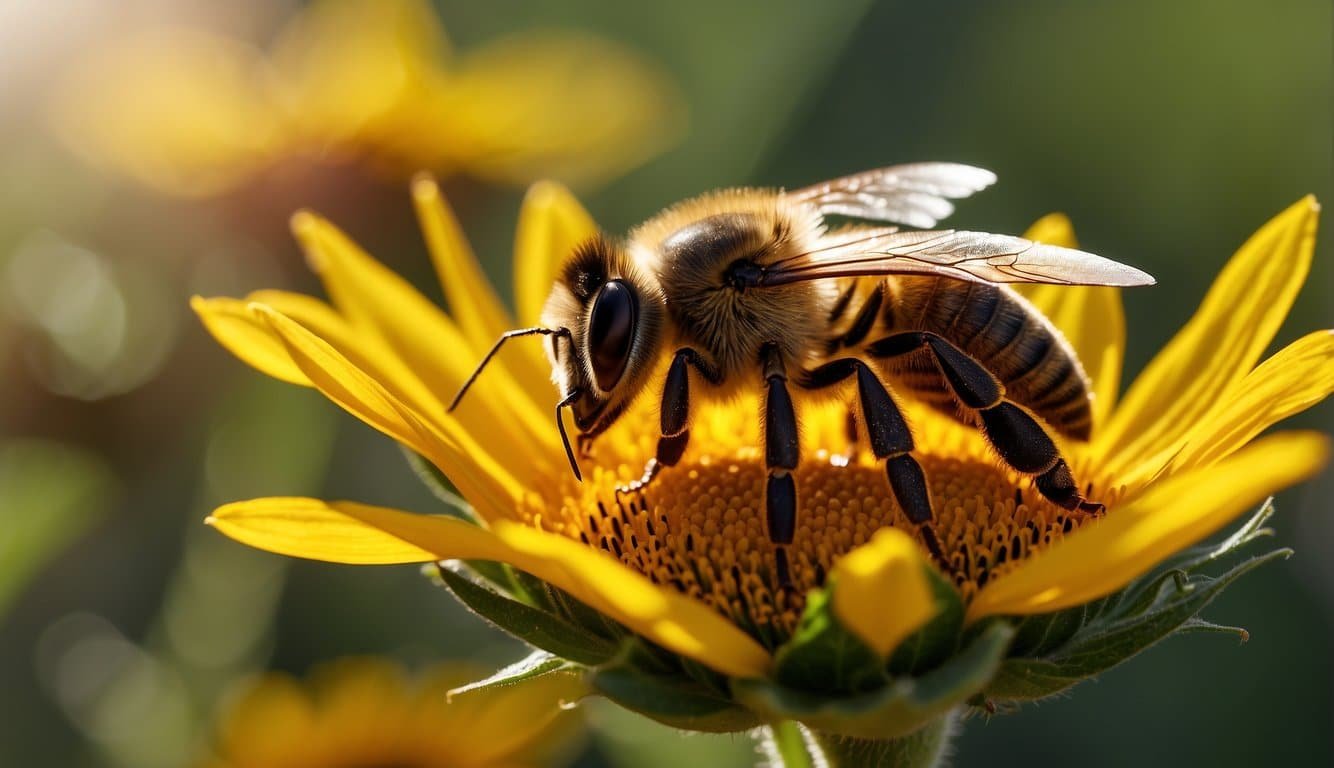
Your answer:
<point x="498" y="575"/>
<point x="1252" y="530"/>
<point x="903" y="706"/>
<point x="669" y="697"/>
<point x="931" y="645"/>
<point x="579" y="613"/>
<point x="1053" y="652"/>
<point x="823" y="656"/>
<point x="535" y="665"/>
<point x="540" y="628"/>
<point x="1196" y="624"/>
<point x="439" y="486"/>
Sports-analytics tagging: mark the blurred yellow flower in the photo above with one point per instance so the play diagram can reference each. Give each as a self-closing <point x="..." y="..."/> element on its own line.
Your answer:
<point x="191" y="113"/>
<point x="686" y="563"/>
<point x="365" y="712"/>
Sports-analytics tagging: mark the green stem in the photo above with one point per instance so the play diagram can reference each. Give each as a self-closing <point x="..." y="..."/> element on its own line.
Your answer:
<point x="784" y="745"/>
<point x="923" y="748"/>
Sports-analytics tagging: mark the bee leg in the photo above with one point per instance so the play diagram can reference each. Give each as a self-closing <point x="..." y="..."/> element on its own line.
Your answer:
<point x="890" y="439"/>
<point x="781" y="454"/>
<point x="851" y="430"/>
<point x="675" y="416"/>
<point x="1015" y="435"/>
<point x="861" y="324"/>
<point x="670" y="450"/>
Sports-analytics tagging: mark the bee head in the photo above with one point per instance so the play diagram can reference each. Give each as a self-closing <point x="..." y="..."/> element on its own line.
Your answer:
<point x="614" y="311"/>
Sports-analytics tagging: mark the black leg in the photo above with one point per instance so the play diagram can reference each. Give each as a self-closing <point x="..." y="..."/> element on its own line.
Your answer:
<point x="851" y="429"/>
<point x="781" y="454"/>
<point x="890" y="439"/>
<point x="1058" y="484"/>
<point x="780" y="449"/>
<point x="1017" y="437"/>
<point x="861" y="323"/>
<point x="675" y="418"/>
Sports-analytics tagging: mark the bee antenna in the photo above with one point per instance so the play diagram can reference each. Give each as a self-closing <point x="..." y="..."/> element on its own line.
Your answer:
<point x="564" y="438"/>
<point x="504" y="337"/>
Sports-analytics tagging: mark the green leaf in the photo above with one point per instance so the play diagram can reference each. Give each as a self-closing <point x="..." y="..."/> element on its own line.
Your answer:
<point x="671" y="698"/>
<point x="899" y="708"/>
<point x="823" y="656"/>
<point x="536" y="664"/>
<point x="49" y="494"/>
<point x="538" y="627"/>
<point x="1166" y="604"/>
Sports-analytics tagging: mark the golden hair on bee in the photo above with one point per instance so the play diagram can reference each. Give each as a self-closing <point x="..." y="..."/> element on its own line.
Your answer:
<point x="693" y="245"/>
<point x="750" y="288"/>
<point x="614" y="309"/>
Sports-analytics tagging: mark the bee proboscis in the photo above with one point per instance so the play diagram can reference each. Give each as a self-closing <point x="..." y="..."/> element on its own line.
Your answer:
<point x="752" y="288"/>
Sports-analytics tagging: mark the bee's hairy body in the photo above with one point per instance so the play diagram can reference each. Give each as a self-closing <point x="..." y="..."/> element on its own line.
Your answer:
<point x="748" y="289"/>
<point x="690" y="249"/>
<point x="995" y="326"/>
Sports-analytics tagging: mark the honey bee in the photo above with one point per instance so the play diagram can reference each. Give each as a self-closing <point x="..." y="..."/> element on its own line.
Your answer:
<point x="752" y="288"/>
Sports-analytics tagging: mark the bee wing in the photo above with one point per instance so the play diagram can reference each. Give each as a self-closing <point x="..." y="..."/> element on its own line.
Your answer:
<point x="975" y="256"/>
<point x="917" y="194"/>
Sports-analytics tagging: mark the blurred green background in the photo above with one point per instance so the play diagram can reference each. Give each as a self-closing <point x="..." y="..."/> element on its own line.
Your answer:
<point x="1168" y="131"/>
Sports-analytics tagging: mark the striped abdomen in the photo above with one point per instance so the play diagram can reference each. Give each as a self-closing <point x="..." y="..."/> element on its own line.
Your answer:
<point x="995" y="326"/>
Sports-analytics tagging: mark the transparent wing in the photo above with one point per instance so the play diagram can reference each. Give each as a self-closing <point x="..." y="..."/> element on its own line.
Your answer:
<point x="917" y="194"/>
<point x="975" y="256"/>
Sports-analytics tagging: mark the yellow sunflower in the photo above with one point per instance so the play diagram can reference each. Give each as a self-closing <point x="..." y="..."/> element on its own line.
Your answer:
<point x="190" y="112"/>
<point x="357" y="713"/>
<point x="684" y="572"/>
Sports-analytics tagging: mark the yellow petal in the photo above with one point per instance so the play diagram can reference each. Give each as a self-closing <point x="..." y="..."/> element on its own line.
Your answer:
<point x="551" y="224"/>
<point x="364" y="350"/>
<point x="1090" y="317"/>
<point x="1104" y="556"/>
<point x="373" y="297"/>
<point x="252" y="338"/>
<point x="315" y="314"/>
<point x="330" y="531"/>
<point x="472" y="301"/>
<point x="552" y="104"/>
<point x="339" y="531"/>
<point x="661" y="614"/>
<point x="881" y="592"/>
<point x="181" y="110"/>
<point x="1296" y="378"/>
<point x="267" y="719"/>
<point x="490" y="487"/>
<point x="1222" y="342"/>
<point x="348" y="67"/>
<point x="240" y="332"/>
<point x="516" y="724"/>
<point x="1053" y="229"/>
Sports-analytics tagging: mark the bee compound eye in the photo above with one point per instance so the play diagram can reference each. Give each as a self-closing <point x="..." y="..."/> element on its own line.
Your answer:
<point x="611" y="329"/>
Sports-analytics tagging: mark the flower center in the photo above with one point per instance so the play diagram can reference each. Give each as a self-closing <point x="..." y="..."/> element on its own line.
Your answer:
<point x="699" y="526"/>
